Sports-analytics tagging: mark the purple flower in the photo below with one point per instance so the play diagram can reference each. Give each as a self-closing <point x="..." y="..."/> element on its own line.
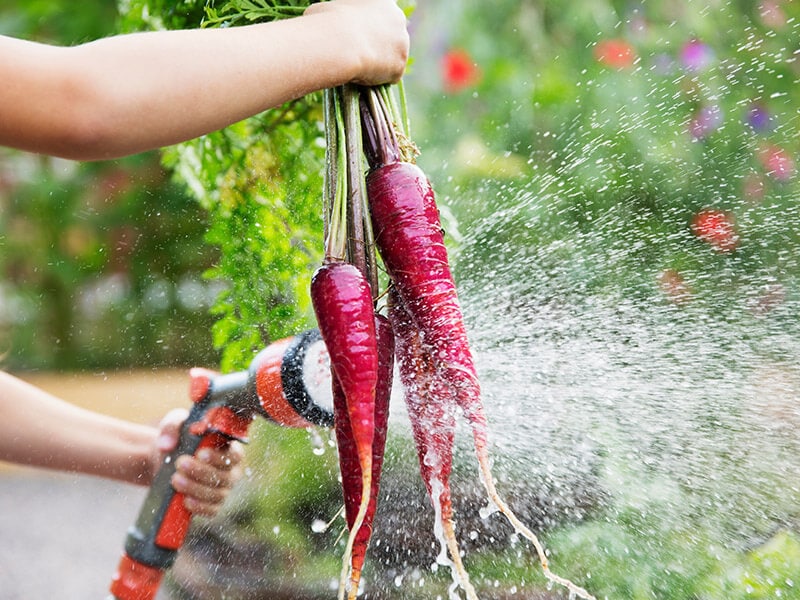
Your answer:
<point x="696" y="56"/>
<point x="758" y="117"/>
<point x="707" y="119"/>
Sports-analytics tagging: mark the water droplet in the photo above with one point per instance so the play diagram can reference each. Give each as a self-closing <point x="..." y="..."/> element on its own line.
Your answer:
<point x="319" y="526"/>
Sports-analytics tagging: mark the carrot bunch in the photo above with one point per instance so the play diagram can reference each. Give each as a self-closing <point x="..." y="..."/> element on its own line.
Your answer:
<point x="360" y="341"/>
<point x="435" y="361"/>
<point x="392" y="212"/>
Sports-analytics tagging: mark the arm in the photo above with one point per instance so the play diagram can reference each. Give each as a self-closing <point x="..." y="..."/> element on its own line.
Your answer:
<point x="39" y="430"/>
<point x="130" y="93"/>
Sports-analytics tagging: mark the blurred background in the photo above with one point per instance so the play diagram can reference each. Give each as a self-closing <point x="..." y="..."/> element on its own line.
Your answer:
<point x="618" y="183"/>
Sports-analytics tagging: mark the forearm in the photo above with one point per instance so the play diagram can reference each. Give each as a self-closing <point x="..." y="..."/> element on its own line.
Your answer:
<point x="161" y="88"/>
<point x="38" y="429"/>
<point x="131" y="93"/>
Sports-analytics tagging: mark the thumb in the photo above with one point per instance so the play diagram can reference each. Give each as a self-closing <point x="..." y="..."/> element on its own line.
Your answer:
<point x="169" y="429"/>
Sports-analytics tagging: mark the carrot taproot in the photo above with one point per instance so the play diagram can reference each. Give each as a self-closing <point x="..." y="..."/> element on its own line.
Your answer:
<point x="409" y="237"/>
<point x="432" y="414"/>
<point x="348" y="456"/>
<point x="350" y="471"/>
<point x="342" y="302"/>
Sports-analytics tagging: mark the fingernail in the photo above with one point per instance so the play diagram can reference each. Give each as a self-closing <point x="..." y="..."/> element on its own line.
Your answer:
<point x="204" y="455"/>
<point x="165" y="442"/>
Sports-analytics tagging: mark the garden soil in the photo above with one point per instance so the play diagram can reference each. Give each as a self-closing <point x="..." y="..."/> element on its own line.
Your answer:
<point x="61" y="535"/>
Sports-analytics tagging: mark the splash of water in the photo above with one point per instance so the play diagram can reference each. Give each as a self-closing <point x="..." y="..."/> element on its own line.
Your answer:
<point x="687" y="411"/>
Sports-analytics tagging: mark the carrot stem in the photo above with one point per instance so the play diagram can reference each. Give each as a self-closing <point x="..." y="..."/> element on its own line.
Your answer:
<point x="374" y="112"/>
<point x="355" y="181"/>
<point x="386" y="150"/>
<point x="366" y="221"/>
<point x="362" y="241"/>
<point x="387" y="123"/>
<point x="398" y="123"/>
<point x="336" y="241"/>
<point x="331" y="143"/>
<point x="404" y="117"/>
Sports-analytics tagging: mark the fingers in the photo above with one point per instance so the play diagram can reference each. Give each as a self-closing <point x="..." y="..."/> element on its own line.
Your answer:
<point x="207" y="478"/>
<point x="169" y="429"/>
<point x="376" y="31"/>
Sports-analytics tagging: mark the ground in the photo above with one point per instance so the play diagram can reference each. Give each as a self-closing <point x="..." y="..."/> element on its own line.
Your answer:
<point x="62" y="534"/>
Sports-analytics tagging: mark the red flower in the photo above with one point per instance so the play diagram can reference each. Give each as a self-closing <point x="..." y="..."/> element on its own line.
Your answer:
<point x="717" y="228"/>
<point x="616" y="53"/>
<point x="459" y="71"/>
<point x="777" y="162"/>
<point x="772" y="15"/>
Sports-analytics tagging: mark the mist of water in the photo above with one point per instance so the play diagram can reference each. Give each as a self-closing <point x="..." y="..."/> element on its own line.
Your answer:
<point x="685" y="410"/>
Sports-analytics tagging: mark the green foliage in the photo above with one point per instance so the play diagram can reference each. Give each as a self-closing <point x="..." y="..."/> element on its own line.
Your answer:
<point x="768" y="571"/>
<point x="623" y="122"/>
<point x="136" y="15"/>
<point x="102" y="266"/>
<point x="47" y="20"/>
<point x="631" y="560"/>
<point x="263" y="195"/>
<point x="261" y="183"/>
<point x="101" y="263"/>
<point x="240" y="11"/>
<point x="637" y="558"/>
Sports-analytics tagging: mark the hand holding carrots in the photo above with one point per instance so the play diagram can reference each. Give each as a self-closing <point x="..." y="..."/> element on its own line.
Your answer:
<point x="377" y="39"/>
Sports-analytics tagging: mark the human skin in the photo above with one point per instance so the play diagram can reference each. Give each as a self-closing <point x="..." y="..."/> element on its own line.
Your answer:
<point x="129" y="93"/>
<point x="40" y="430"/>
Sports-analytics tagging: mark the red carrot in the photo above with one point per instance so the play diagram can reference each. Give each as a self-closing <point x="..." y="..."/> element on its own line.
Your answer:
<point x="431" y="411"/>
<point x="342" y="302"/>
<point x="348" y="456"/>
<point x="409" y="237"/>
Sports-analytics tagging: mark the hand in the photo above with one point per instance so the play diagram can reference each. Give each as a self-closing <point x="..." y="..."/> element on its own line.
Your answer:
<point x="376" y="30"/>
<point x="205" y="479"/>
